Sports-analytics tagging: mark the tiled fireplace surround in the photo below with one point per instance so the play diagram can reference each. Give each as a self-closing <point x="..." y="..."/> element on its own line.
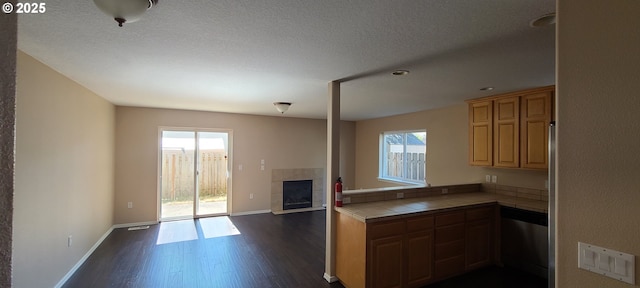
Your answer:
<point x="280" y="175"/>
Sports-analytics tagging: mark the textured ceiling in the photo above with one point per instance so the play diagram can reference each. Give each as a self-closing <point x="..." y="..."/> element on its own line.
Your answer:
<point x="239" y="56"/>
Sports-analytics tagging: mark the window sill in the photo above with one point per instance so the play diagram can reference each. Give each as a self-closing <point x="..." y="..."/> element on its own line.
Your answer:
<point x="398" y="181"/>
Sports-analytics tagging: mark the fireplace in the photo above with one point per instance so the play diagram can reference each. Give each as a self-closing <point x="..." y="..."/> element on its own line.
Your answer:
<point x="297" y="194"/>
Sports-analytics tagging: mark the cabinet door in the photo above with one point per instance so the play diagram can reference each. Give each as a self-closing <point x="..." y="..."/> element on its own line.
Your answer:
<point x="386" y="262"/>
<point x="506" y="123"/>
<point x="478" y="245"/>
<point x="481" y="133"/>
<point x="536" y="115"/>
<point x="419" y="258"/>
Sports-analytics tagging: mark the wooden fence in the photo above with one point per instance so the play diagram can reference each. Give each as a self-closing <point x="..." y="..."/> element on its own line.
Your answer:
<point x="178" y="174"/>
<point x="415" y="165"/>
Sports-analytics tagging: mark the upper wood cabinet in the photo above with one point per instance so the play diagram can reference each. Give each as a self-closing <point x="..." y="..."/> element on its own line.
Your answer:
<point x="511" y="130"/>
<point x="535" y="118"/>
<point x="506" y="128"/>
<point x="481" y="133"/>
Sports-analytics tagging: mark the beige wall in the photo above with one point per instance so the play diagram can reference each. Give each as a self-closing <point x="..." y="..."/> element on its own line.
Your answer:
<point x="447" y="150"/>
<point x="598" y="133"/>
<point x="64" y="173"/>
<point x="283" y="142"/>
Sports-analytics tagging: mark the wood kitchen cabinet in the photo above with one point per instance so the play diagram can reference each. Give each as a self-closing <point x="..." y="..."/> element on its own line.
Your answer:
<point x="506" y="131"/>
<point x="419" y="258"/>
<point x="449" y="244"/>
<point x="481" y="133"/>
<point x="414" y="251"/>
<point x="394" y="253"/>
<point x="511" y="130"/>
<point x="386" y="249"/>
<point x="535" y="119"/>
<point x="480" y="235"/>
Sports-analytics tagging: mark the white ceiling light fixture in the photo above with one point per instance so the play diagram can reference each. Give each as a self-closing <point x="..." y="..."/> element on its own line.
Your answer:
<point x="282" y="106"/>
<point x="544" y="20"/>
<point x="125" y="11"/>
<point x="400" y="72"/>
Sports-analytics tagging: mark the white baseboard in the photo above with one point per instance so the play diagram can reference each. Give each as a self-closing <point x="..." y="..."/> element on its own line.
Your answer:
<point x="330" y="278"/>
<point x="127" y="225"/>
<point x="84" y="258"/>
<point x="251" y="212"/>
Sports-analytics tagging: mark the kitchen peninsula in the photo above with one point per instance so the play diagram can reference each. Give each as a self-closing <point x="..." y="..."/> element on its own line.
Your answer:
<point x="412" y="236"/>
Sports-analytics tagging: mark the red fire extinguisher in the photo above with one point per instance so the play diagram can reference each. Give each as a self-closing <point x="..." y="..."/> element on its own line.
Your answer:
<point x="339" y="192"/>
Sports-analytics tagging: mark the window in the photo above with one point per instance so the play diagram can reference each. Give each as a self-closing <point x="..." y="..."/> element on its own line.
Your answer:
<point x="403" y="156"/>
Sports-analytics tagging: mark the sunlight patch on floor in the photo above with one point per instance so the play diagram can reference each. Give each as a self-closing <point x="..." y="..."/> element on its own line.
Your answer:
<point x="177" y="231"/>
<point x="217" y="227"/>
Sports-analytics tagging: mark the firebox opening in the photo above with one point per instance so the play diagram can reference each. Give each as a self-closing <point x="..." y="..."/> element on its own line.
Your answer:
<point x="297" y="194"/>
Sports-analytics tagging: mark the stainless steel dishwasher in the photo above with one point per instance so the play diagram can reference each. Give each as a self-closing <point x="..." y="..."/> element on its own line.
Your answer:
<point x="524" y="242"/>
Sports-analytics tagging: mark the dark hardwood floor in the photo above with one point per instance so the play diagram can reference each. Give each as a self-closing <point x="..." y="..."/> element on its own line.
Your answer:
<point x="493" y="277"/>
<point x="270" y="251"/>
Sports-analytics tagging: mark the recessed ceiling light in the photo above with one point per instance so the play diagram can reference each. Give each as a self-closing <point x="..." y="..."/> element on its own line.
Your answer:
<point x="486" y="88"/>
<point x="400" y="72"/>
<point x="544" y="20"/>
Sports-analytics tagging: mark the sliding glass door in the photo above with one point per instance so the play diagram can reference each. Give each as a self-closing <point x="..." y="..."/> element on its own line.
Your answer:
<point x="194" y="173"/>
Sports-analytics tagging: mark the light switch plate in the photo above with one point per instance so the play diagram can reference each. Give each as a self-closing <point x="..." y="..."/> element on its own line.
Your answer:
<point x="607" y="262"/>
<point x="494" y="179"/>
<point x="487" y="178"/>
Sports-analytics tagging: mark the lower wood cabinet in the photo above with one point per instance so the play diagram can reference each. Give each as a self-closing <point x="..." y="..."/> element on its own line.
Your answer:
<point x="419" y="258"/>
<point x="413" y="251"/>
<point x="387" y="262"/>
<point x="449" y="244"/>
<point x="481" y="234"/>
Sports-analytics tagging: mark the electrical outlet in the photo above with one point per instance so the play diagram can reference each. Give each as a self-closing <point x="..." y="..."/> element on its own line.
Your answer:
<point x="69" y="240"/>
<point x="445" y="190"/>
<point x="487" y="178"/>
<point x="129" y="205"/>
<point x="346" y="200"/>
<point x="399" y="195"/>
<point x="251" y="196"/>
<point x="494" y="179"/>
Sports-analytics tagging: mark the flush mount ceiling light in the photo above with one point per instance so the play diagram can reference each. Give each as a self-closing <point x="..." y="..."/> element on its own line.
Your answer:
<point x="125" y="11"/>
<point x="282" y="106"/>
<point x="400" y="72"/>
<point x="489" y="88"/>
<point x="544" y="20"/>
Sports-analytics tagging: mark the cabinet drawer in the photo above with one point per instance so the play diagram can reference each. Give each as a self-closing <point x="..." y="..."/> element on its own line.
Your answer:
<point x="450" y="233"/>
<point x="448" y="250"/>
<point x="450" y="218"/>
<point x="386" y="229"/>
<point x="419" y="223"/>
<point x="480" y="213"/>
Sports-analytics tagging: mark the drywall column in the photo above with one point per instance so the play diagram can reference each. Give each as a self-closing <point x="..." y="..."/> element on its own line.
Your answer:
<point x="333" y="171"/>
<point x="598" y="156"/>
<point x="8" y="34"/>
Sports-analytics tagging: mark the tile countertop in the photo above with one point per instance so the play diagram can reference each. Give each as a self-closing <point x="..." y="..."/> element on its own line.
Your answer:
<point x="384" y="210"/>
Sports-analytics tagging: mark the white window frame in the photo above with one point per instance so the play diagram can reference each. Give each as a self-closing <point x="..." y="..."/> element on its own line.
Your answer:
<point x="382" y="163"/>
